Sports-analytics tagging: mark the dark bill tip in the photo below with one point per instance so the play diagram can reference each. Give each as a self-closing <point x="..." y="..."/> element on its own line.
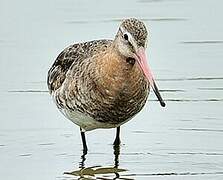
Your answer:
<point x="156" y="91"/>
<point x="162" y="103"/>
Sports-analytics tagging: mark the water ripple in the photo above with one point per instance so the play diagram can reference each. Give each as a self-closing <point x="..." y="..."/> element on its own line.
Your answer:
<point x="197" y="153"/>
<point x="203" y="42"/>
<point x="201" y="130"/>
<point x="191" y="100"/>
<point x="46" y="144"/>
<point x="192" y="79"/>
<point x="172" y="90"/>
<point x="159" y="19"/>
<point x="25" y="155"/>
<point x="177" y="174"/>
<point x="156" y="1"/>
<point x="211" y="89"/>
<point x="27" y="91"/>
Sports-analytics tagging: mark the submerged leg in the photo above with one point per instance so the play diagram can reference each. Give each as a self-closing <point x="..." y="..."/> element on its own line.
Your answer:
<point x="117" y="138"/>
<point x="83" y="158"/>
<point x="83" y="141"/>
<point x="116" y="153"/>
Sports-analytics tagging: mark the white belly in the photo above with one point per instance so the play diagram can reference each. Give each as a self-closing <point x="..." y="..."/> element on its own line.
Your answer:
<point x="86" y="122"/>
<point x="83" y="120"/>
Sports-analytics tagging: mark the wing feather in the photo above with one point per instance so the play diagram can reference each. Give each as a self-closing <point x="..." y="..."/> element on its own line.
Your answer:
<point x="70" y="55"/>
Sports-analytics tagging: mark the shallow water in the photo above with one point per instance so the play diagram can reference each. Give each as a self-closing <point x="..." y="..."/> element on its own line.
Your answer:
<point x="181" y="141"/>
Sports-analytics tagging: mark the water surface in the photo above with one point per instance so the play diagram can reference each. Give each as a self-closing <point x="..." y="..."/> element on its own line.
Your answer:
<point x="181" y="141"/>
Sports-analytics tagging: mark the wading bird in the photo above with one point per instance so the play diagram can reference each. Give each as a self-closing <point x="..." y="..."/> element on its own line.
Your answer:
<point x="103" y="83"/>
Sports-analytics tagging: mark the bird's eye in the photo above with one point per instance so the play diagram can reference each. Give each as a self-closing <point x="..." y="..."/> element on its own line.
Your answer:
<point x="125" y="36"/>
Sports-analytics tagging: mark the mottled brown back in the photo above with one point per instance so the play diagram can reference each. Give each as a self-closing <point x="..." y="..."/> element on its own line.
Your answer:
<point x="70" y="55"/>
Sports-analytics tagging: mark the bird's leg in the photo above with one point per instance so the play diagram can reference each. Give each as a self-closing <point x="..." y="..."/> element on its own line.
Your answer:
<point x="83" y="141"/>
<point x="83" y="158"/>
<point x="117" y="138"/>
<point x="116" y="148"/>
<point x="116" y="153"/>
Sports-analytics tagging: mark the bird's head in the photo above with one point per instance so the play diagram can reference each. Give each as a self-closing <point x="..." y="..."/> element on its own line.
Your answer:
<point x="131" y="41"/>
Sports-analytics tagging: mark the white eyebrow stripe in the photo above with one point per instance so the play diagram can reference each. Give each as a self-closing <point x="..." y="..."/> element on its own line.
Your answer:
<point x="124" y="31"/>
<point x="131" y="39"/>
<point x="146" y="42"/>
<point x="129" y="35"/>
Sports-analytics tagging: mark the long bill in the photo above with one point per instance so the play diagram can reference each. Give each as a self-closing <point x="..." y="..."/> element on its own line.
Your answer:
<point x="142" y="61"/>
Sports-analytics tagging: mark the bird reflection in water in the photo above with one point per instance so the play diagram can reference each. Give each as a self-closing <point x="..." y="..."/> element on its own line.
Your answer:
<point x="83" y="158"/>
<point x="98" y="172"/>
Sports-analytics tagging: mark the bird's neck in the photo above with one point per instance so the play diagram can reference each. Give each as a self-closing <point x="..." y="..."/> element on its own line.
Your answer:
<point x="115" y="74"/>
